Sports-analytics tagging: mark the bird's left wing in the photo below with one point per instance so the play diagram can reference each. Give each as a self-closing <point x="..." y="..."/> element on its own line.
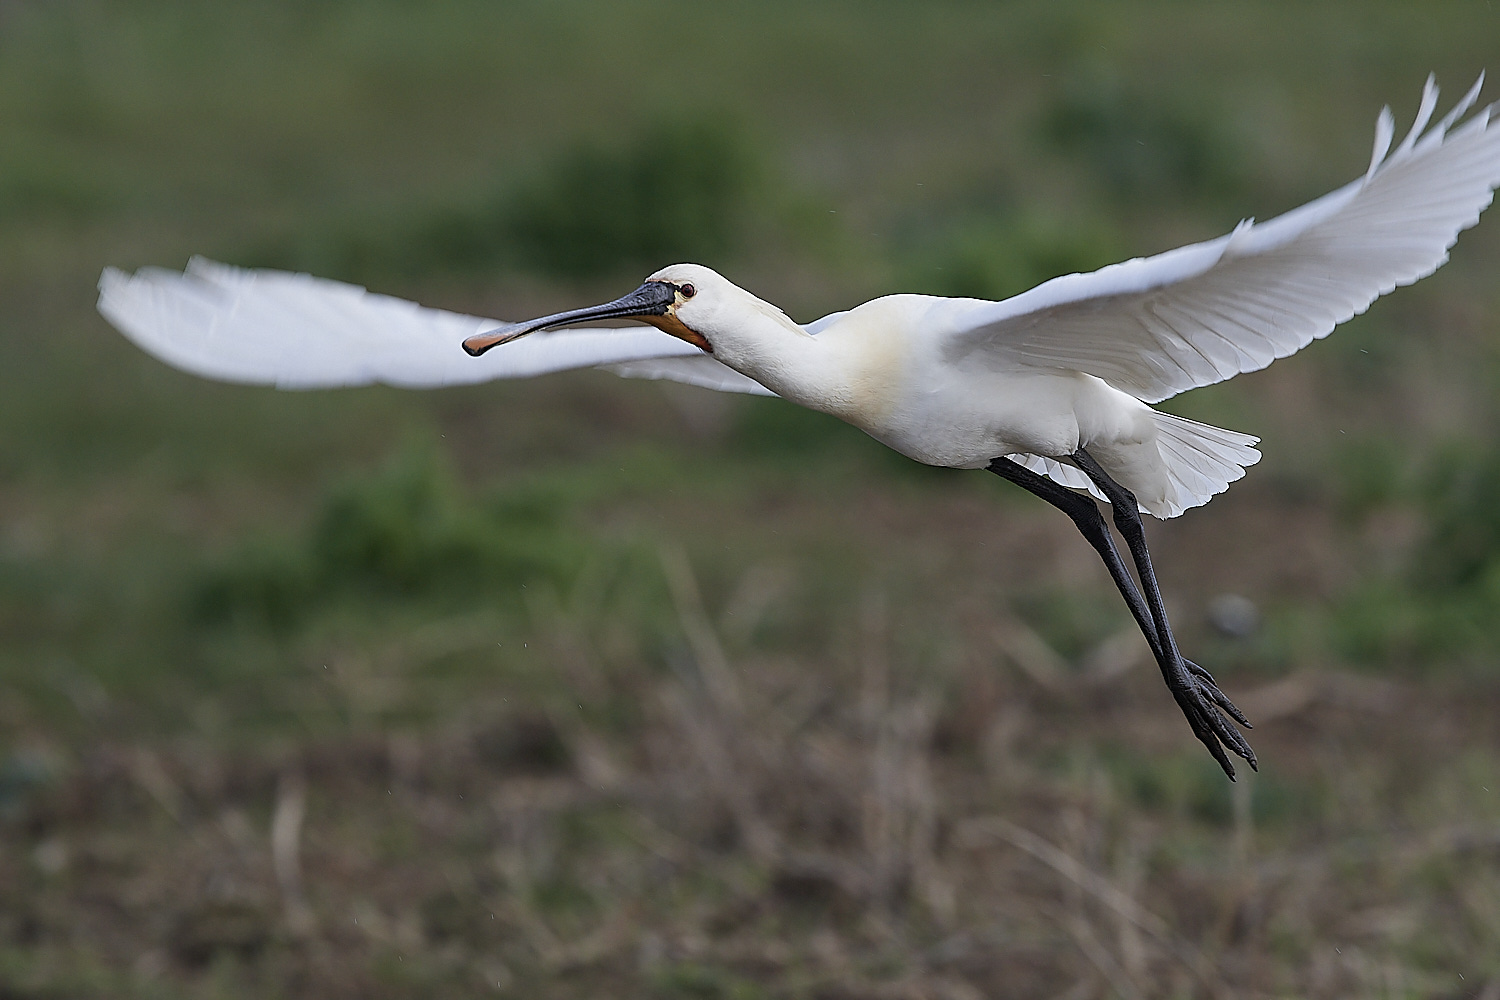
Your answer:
<point x="1200" y="314"/>
<point x="295" y="331"/>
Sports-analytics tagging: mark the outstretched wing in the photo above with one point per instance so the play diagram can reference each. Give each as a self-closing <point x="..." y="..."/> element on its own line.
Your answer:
<point x="295" y="331"/>
<point x="1200" y="314"/>
<point x="695" y="369"/>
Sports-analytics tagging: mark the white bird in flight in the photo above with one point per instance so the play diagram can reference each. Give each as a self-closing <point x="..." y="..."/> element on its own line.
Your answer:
<point x="1050" y="389"/>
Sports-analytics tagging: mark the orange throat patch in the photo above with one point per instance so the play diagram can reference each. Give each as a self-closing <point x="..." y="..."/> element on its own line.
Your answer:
<point x="669" y="323"/>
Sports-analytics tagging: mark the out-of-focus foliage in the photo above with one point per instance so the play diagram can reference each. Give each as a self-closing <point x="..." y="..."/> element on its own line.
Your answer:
<point x="1462" y="501"/>
<point x="674" y="191"/>
<point x="677" y="192"/>
<point x="410" y="531"/>
<point x="1141" y="149"/>
<point x="1438" y="602"/>
<point x="994" y="255"/>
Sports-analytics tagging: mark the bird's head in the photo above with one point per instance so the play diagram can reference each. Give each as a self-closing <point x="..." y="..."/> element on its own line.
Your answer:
<point x="676" y="299"/>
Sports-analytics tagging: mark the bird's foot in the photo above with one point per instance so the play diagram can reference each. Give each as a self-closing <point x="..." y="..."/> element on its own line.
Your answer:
<point x="1200" y="699"/>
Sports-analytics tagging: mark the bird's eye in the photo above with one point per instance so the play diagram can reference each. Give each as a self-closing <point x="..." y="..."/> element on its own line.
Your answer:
<point x="688" y="291"/>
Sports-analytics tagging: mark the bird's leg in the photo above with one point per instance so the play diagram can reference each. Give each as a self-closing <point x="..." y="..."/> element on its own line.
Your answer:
<point x="1127" y="517"/>
<point x="1084" y="513"/>
<point x="1191" y="686"/>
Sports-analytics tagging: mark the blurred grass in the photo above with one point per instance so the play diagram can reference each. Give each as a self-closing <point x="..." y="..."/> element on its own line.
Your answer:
<point x="609" y="688"/>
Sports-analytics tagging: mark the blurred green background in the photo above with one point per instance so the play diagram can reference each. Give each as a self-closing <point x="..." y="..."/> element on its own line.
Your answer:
<point x="584" y="687"/>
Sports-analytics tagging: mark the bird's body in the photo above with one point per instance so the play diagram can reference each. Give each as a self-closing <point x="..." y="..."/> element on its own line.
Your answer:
<point x="1051" y="389"/>
<point x="884" y="367"/>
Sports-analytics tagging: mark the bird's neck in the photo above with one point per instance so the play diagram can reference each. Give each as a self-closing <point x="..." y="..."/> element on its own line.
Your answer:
<point x="764" y="344"/>
<point x="830" y="372"/>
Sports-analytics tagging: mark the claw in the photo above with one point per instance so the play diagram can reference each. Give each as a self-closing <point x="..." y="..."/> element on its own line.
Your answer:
<point x="1197" y="699"/>
<point x="1219" y="697"/>
<point x="1206" y="737"/>
<point x="1222" y="700"/>
<point x="1233" y="739"/>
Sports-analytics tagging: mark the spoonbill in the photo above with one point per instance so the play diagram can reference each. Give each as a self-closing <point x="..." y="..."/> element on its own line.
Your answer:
<point x="1050" y="389"/>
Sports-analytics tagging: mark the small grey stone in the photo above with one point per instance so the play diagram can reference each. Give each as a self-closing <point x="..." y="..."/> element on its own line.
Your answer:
<point x="1234" y="615"/>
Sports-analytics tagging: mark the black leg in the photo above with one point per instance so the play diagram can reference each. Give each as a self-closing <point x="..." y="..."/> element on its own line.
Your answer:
<point x="1084" y="513"/>
<point x="1127" y="517"/>
<point x="1193" y="689"/>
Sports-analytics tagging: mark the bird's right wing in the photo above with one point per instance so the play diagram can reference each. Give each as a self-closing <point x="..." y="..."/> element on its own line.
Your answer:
<point x="700" y="370"/>
<point x="1199" y="314"/>
<point x="295" y="331"/>
<point x="705" y="371"/>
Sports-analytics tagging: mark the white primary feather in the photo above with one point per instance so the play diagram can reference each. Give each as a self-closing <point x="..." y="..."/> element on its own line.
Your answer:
<point x="1200" y="314"/>
<point x="295" y="331"/>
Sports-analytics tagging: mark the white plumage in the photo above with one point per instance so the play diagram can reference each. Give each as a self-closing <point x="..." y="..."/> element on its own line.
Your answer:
<point x="1058" y="378"/>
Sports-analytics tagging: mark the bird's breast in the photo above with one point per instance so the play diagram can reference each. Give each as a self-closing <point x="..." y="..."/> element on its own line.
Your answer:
<point x="877" y="381"/>
<point x="861" y="378"/>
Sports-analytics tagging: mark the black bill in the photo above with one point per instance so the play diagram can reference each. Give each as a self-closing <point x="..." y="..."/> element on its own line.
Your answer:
<point x="651" y="299"/>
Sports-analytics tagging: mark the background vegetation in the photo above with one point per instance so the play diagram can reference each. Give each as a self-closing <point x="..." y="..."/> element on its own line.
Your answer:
<point x="583" y="687"/>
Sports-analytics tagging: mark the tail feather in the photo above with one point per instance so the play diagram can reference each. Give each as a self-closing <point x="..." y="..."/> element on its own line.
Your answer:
<point x="1201" y="460"/>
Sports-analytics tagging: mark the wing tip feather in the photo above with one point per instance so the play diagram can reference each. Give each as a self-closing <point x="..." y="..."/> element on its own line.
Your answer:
<point x="1385" y="131"/>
